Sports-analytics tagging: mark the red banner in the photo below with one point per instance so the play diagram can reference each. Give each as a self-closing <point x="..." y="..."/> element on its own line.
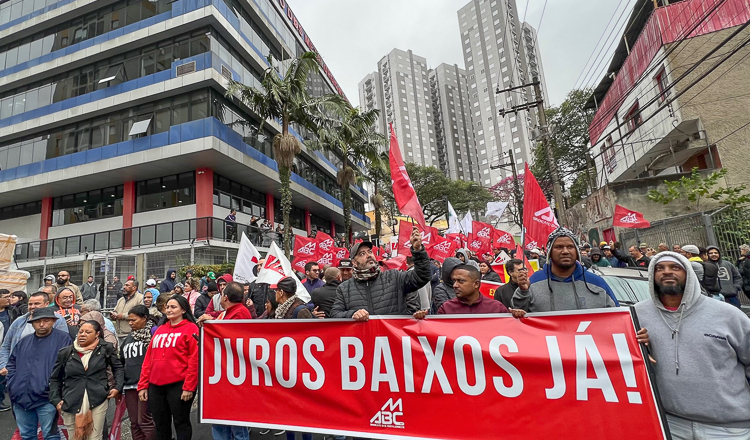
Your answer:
<point x="538" y="218"/>
<point x="569" y="375"/>
<point x="457" y="238"/>
<point x="443" y="249"/>
<point x="625" y="218"/>
<point x="305" y="250"/>
<point x="482" y="232"/>
<point x="430" y="236"/>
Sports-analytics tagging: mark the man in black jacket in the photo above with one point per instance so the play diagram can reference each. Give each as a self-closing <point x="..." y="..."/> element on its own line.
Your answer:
<point x="371" y="291"/>
<point x="444" y="291"/>
<point x="514" y="268"/>
<point x="323" y="297"/>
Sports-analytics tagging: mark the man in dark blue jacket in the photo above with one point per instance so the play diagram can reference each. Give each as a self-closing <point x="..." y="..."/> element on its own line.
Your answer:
<point x="29" y="368"/>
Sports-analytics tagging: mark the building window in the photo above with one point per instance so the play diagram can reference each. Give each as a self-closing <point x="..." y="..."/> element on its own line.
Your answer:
<point x="232" y="195"/>
<point x="608" y="155"/>
<point x="165" y="192"/>
<point x="633" y="118"/>
<point x="21" y="210"/>
<point x="662" y="84"/>
<point x="86" y="206"/>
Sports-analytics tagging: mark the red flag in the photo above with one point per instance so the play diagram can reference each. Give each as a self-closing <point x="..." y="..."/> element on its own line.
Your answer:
<point x="626" y="218"/>
<point x="305" y="250"/>
<point x="488" y="288"/>
<point x="482" y="232"/>
<point x="442" y="249"/>
<point x="502" y="239"/>
<point x="403" y="191"/>
<point x="457" y="238"/>
<point x="538" y="218"/>
<point x="397" y="262"/>
<point x="429" y="236"/>
<point x="325" y="242"/>
<point x="404" y="237"/>
<point x="341" y="253"/>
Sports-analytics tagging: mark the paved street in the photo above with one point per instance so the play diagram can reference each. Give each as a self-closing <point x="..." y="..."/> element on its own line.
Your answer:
<point x="8" y="426"/>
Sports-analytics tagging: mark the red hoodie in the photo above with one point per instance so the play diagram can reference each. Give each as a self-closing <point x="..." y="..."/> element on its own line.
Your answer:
<point x="172" y="356"/>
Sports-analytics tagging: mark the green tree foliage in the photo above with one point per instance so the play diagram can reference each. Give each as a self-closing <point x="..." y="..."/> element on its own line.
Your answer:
<point x="695" y="190"/>
<point x="568" y="139"/>
<point x="287" y="100"/>
<point x="435" y="190"/>
<point x="355" y="140"/>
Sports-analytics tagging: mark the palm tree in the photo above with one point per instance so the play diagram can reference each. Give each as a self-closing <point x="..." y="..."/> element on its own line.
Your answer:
<point x="355" y="140"/>
<point x="286" y="99"/>
<point x="378" y="173"/>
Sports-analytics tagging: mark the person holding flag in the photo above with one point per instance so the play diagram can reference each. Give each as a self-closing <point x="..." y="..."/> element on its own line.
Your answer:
<point x="376" y="292"/>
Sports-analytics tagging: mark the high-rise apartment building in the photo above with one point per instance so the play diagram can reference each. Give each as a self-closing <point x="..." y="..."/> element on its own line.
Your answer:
<point x="451" y="109"/>
<point x="403" y="97"/>
<point x="120" y="153"/>
<point x="495" y="54"/>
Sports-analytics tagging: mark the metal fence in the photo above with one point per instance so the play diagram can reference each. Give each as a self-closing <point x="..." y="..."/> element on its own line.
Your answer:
<point x="728" y="228"/>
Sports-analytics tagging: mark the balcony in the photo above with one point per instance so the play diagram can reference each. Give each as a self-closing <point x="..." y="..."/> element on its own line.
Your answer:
<point x="177" y="232"/>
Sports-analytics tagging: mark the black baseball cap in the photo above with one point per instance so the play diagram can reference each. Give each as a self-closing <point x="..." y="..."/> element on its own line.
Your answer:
<point x="345" y="263"/>
<point x="287" y="284"/>
<point x="356" y="247"/>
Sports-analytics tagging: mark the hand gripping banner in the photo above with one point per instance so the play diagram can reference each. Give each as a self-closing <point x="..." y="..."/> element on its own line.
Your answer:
<point x="570" y="375"/>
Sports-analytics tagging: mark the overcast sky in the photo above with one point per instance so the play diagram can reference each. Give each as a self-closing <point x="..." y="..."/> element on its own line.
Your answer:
<point x="353" y="35"/>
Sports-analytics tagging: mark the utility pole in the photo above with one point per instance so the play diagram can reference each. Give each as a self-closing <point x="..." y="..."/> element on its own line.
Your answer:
<point x="559" y="200"/>
<point x="539" y="104"/>
<point x="516" y="188"/>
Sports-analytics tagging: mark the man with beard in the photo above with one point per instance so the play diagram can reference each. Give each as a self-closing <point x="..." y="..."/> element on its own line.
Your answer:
<point x="562" y="283"/>
<point x="702" y="353"/>
<point x="371" y="291"/>
<point x="469" y="300"/>
<point x="63" y="280"/>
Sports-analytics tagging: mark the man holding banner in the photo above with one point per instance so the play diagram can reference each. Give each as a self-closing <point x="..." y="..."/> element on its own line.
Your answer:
<point x="371" y="291"/>
<point x="563" y="283"/>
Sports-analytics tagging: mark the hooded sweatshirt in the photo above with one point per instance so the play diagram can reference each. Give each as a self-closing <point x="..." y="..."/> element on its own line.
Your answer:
<point x="167" y="284"/>
<point x="702" y="353"/>
<point x="467" y="254"/>
<point x="580" y="290"/>
<point x="730" y="280"/>
<point x="172" y="356"/>
<point x="603" y="262"/>
<point x="444" y="291"/>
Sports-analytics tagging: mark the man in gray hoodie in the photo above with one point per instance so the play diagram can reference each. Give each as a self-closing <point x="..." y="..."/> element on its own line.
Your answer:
<point x="730" y="280"/>
<point x="702" y="354"/>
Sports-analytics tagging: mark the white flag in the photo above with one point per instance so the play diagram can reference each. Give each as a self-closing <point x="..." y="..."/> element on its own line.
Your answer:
<point x="453" y="222"/>
<point x="496" y="209"/>
<point x="247" y="259"/>
<point x="466" y="223"/>
<point x="277" y="267"/>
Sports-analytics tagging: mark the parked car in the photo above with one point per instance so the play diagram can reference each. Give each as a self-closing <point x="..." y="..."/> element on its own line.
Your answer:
<point x="630" y="285"/>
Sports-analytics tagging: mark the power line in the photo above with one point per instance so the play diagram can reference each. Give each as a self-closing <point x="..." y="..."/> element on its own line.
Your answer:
<point x="694" y="82"/>
<point x="606" y="115"/>
<point x="596" y="58"/>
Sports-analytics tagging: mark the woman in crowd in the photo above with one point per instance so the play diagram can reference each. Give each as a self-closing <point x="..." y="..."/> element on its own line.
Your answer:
<point x="169" y="375"/>
<point x="19" y="303"/>
<point x="97" y="316"/>
<point x="191" y="292"/>
<point x="488" y="274"/>
<point x="148" y="297"/>
<point x="78" y="385"/>
<point x="133" y="353"/>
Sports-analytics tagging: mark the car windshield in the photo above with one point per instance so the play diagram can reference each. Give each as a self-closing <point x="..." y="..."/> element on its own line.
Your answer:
<point x="627" y="290"/>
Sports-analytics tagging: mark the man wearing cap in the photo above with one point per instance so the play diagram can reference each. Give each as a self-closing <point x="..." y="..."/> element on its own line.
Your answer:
<point x="29" y="368"/>
<point x="702" y="354"/>
<point x="708" y="275"/>
<point x="563" y="283"/>
<point x="346" y="268"/>
<point x="324" y="296"/>
<point x="371" y="291"/>
<point x="206" y="279"/>
<point x="612" y="258"/>
<point x="48" y="280"/>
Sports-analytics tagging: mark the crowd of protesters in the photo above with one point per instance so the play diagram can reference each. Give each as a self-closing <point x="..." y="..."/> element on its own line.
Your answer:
<point x="62" y="358"/>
